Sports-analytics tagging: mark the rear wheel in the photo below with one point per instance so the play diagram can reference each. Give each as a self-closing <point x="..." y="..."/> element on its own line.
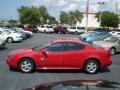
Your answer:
<point x="91" y="66"/>
<point x="45" y="31"/>
<point x="112" y="51"/>
<point x="9" y="40"/>
<point x="26" y="65"/>
<point x="59" y="32"/>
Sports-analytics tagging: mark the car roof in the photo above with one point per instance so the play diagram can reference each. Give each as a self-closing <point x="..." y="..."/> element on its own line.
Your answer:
<point x="68" y="40"/>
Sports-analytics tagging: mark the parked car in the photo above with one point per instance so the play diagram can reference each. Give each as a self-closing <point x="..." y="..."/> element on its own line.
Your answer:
<point x="76" y="30"/>
<point x="115" y="33"/>
<point x="2" y="43"/>
<point x="46" y="29"/>
<point x="99" y="38"/>
<point x="111" y="43"/>
<point x="101" y="29"/>
<point x="10" y="37"/>
<point x="60" y="54"/>
<point x="92" y="36"/>
<point x="81" y="36"/>
<point x="31" y="28"/>
<point x="28" y="33"/>
<point x="23" y="35"/>
<point x="60" y="29"/>
<point x="77" y="85"/>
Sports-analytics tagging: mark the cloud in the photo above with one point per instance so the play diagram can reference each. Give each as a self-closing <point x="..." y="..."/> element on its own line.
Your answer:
<point x="62" y="3"/>
<point x="70" y="7"/>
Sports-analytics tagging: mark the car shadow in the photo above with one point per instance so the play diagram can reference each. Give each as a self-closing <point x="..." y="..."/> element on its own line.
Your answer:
<point x="59" y="71"/>
<point x="71" y="71"/>
<point x="104" y="70"/>
<point x="3" y="48"/>
<point x="117" y="53"/>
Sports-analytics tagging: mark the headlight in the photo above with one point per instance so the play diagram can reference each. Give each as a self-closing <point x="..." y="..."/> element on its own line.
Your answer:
<point x="9" y="55"/>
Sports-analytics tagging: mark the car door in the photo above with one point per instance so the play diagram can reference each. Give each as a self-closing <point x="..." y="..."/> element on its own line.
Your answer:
<point x="74" y="55"/>
<point x="118" y="46"/>
<point x="53" y="56"/>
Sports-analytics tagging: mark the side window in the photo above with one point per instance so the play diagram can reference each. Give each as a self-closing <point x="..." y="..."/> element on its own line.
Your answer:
<point x="73" y="46"/>
<point x="42" y="26"/>
<point x="118" y="33"/>
<point x="119" y="42"/>
<point x="0" y="32"/>
<point x="55" y="47"/>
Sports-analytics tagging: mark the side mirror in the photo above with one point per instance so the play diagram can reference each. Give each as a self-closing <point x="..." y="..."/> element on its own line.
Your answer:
<point x="44" y="53"/>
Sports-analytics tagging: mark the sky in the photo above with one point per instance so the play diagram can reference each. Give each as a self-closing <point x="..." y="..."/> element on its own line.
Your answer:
<point x="8" y="8"/>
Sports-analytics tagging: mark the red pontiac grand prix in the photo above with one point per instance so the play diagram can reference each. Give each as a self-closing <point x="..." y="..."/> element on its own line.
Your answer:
<point x="60" y="54"/>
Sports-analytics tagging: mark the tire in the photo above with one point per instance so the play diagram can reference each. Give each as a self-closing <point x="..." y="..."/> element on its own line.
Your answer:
<point x="112" y="51"/>
<point x="9" y="40"/>
<point x="59" y="32"/>
<point x="26" y="66"/>
<point x="76" y="33"/>
<point x="45" y="31"/>
<point x="91" y="66"/>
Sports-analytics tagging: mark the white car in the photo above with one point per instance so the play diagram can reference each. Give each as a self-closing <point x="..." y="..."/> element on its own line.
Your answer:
<point x="20" y="30"/>
<point x="9" y="36"/>
<point x="76" y="30"/>
<point x="46" y="29"/>
<point x="115" y="33"/>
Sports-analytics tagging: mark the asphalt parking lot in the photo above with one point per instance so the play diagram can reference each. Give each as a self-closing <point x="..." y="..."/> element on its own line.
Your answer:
<point x="13" y="80"/>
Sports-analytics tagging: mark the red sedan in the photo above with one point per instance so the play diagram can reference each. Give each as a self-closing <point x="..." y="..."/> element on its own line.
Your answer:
<point x="60" y="54"/>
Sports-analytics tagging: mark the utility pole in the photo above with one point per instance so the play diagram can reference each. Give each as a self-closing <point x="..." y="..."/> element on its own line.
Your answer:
<point x="87" y="11"/>
<point x="100" y="4"/>
<point x="116" y="6"/>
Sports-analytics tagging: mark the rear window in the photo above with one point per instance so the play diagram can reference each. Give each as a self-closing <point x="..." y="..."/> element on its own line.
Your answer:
<point x="49" y="26"/>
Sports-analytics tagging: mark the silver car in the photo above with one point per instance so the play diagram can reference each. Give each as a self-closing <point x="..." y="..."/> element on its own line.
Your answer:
<point x="111" y="43"/>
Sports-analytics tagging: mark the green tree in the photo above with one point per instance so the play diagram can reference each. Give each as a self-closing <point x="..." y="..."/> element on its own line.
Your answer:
<point x="71" y="17"/>
<point x="29" y="15"/>
<point x="63" y="17"/>
<point x="33" y="15"/>
<point x="108" y="19"/>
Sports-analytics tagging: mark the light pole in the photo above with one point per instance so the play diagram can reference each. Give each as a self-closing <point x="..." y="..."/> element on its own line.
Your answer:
<point x="87" y="11"/>
<point x="100" y="4"/>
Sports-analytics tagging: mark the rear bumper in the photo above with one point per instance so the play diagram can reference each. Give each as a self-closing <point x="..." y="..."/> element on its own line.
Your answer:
<point x="106" y="64"/>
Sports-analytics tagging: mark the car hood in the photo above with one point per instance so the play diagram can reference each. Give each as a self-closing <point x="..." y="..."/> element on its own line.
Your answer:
<point x="15" y="34"/>
<point x="28" y="50"/>
<point x="78" y="85"/>
<point x="103" y="43"/>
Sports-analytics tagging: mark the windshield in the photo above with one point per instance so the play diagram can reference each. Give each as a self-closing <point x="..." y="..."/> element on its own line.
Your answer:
<point x="38" y="48"/>
<point x="49" y="26"/>
<point x="112" y="39"/>
<point x="94" y="33"/>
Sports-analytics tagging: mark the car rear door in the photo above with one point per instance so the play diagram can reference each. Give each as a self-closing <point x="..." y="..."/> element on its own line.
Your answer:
<point x="74" y="55"/>
<point x="53" y="56"/>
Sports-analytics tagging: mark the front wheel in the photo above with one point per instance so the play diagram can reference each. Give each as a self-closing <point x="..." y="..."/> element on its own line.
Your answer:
<point x="91" y="66"/>
<point x="26" y="66"/>
<point x="112" y="51"/>
<point x="76" y="33"/>
<point x="10" y="40"/>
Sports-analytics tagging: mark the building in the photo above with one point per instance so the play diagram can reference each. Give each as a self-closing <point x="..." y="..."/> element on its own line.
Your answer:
<point x="92" y="21"/>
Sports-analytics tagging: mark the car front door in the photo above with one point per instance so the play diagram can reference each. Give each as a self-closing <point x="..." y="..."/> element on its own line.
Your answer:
<point x="53" y="56"/>
<point x="74" y="55"/>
